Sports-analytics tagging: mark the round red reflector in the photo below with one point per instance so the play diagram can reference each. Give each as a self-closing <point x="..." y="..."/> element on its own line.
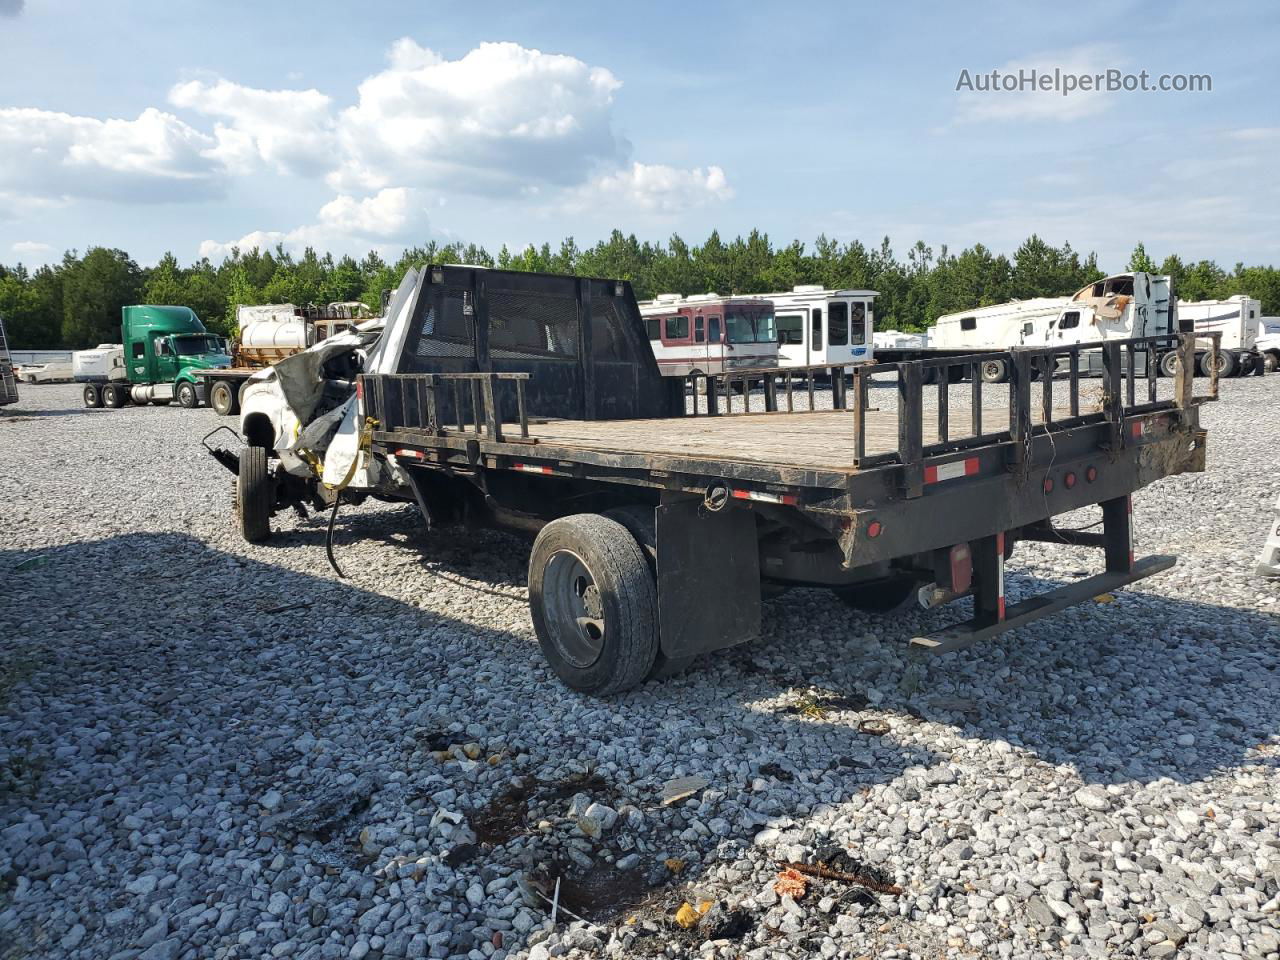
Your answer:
<point x="1091" y="474"/>
<point x="874" y="528"/>
<point x="1048" y="484"/>
<point x="1069" y="480"/>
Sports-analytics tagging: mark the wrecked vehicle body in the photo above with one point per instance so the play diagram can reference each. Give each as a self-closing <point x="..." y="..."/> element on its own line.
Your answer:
<point x="664" y="508"/>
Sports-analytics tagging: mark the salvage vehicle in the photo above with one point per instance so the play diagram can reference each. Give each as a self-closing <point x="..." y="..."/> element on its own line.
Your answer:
<point x="163" y="348"/>
<point x="268" y="333"/>
<point x="661" y="513"/>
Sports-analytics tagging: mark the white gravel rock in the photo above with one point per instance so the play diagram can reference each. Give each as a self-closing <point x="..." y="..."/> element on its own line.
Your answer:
<point x="211" y="749"/>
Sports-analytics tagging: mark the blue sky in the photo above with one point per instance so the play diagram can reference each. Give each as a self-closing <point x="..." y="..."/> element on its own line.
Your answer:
<point x="191" y="127"/>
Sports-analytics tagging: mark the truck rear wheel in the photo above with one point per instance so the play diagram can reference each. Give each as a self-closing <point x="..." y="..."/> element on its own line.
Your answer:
<point x="113" y="396"/>
<point x="1270" y="362"/>
<point x="255" y="495"/>
<point x="92" y="398"/>
<point x="594" y="604"/>
<point x="187" y="396"/>
<point x="223" y="399"/>
<point x="639" y="521"/>
<point x="1227" y="363"/>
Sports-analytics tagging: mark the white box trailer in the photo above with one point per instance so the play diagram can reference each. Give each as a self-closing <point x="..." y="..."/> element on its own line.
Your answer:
<point x="1238" y="320"/>
<point x="102" y="364"/>
<point x="1118" y="307"/>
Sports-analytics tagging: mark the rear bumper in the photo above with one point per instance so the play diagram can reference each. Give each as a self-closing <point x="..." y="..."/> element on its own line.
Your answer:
<point x="962" y="635"/>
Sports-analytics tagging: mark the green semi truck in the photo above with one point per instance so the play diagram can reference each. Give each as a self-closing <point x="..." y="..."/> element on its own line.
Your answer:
<point x="163" y="348"/>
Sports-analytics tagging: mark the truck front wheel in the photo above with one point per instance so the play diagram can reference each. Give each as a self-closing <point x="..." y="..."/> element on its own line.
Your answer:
<point x="994" y="371"/>
<point x="1271" y="361"/>
<point x="255" y="495"/>
<point x="92" y="398"/>
<point x="222" y="398"/>
<point x="594" y="604"/>
<point x="187" y="396"/>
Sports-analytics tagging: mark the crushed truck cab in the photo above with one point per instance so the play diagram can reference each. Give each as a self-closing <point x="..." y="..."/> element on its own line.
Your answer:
<point x="663" y="507"/>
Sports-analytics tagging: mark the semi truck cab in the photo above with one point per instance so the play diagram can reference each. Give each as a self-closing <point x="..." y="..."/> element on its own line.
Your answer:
<point x="164" y="346"/>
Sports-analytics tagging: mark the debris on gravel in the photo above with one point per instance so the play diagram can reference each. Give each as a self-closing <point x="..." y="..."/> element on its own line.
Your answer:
<point x="216" y="750"/>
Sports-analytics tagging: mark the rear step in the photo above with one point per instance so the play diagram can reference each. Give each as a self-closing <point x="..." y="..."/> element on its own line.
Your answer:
<point x="962" y="635"/>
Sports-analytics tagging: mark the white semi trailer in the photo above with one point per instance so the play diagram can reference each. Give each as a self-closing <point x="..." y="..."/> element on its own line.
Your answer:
<point x="1238" y="320"/>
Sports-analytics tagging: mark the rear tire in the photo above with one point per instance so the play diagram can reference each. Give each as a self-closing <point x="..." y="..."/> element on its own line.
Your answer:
<point x="223" y="399"/>
<point x="112" y="396"/>
<point x="994" y="371"/>
<point x="1170" y="364"/>
<point x="594" y="604"/>
<point x="1227" y="363"/>
<point x="1270" y="362"/>
<point x="92" y="397"/>
<point x="881" y="597"/>
<point x="188" y="399"/>
<point x="255" y="495"/>
<point x="639" y="521"/>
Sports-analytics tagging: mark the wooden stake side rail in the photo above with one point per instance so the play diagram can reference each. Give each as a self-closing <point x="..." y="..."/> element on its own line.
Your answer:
<point x="853" y="437"/>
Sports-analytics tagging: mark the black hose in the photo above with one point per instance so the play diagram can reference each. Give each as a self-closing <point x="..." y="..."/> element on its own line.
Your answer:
<point x="328" y="537"/>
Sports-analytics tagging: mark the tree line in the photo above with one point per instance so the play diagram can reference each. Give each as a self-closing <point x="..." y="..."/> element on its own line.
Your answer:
<point x="76" y="303"/>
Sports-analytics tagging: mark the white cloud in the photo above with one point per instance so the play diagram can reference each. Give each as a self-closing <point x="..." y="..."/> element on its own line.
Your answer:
<point x="288" y="130"/>
<point x="983" y="105"/>
<point x="52" y="155"/>
<point x="32" y="249"/>
<point x="501" y="118"/>
<point x="656" y="188"/>
<point x="344" y="225"/>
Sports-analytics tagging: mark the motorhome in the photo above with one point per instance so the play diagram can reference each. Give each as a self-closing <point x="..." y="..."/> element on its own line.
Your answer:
<point x="1118" y="307"/>
<point x="821" y="327"/>
<point x="710" y="334"/>
<point x="1239" y="320"/>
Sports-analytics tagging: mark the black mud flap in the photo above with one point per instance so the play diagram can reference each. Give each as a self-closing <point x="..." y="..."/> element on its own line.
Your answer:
<point x="708" y="577"/>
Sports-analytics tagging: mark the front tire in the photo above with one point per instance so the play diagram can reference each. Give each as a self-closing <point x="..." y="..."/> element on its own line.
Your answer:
<point x="1270" y="362"/>
<point x="188" y="399"/>
<point x="594" y="604"/>
<point x="255" y="495"/>
<point x="1170" y="364"/>
<point x="223" y="399"/>
<point x="994" y="371"/>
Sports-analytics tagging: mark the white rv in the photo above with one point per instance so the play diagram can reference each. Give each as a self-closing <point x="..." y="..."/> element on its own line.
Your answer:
<point x="1238" y="319"/>
<point x="709" y="333"/>
<point x="821" y="327"/>
<point x="1114" y="308"/>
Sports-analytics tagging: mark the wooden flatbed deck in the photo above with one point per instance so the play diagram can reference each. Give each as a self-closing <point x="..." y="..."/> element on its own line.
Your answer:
<point x="818" y="440"/>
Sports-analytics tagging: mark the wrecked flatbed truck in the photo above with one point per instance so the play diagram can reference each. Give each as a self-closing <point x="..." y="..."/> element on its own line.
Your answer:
<point x="662" y="509"/>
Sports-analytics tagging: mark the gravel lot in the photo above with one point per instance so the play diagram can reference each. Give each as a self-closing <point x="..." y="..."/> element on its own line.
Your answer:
<point x="214" y="750"/>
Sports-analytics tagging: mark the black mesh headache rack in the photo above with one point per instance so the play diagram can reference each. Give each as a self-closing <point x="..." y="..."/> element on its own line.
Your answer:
<point x="525" y="398"/>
